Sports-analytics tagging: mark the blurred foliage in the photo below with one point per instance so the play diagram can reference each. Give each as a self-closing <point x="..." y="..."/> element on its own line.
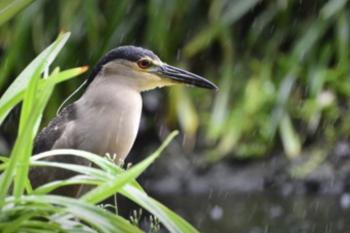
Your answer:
<point x="281" y="65"/>
<point x="24" y="208"/>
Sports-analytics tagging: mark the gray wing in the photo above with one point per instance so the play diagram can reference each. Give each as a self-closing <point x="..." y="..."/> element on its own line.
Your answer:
<point x="44" y="142"/>
<point x="50" y="134"/>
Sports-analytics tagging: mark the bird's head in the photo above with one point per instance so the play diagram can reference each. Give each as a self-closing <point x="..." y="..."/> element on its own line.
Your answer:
<point x="142" y="69"/>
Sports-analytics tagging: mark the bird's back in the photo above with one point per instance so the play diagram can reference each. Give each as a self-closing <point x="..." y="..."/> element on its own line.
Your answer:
<point x="45" y="141"/>
<point x="50" y="134"/>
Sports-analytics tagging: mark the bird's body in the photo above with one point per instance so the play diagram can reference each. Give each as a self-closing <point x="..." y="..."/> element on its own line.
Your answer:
<point x="106" y="118"/>
<point x="120" y="109"/>
<point x="115" y="134"/>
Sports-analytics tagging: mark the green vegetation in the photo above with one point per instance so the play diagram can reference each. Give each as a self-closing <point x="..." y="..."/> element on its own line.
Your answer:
<point x="282" y="66"/>
<point x="26" y="210"/>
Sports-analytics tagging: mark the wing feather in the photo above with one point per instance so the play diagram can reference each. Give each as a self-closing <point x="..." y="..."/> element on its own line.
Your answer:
<point x="50" y="134"/>
<point x="45" y="141"/>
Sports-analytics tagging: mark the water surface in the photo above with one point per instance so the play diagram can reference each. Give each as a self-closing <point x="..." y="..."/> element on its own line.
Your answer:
<point x="262" y="213"/>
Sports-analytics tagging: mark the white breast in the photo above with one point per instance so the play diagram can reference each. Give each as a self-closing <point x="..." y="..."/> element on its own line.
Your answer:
<point x="108" y="120"/>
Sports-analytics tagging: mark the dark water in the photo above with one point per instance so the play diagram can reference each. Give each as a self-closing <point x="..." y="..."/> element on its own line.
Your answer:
<point x="263" y="213"/>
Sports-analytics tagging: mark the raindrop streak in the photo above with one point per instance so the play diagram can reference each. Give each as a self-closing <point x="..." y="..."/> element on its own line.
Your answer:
<point x="216" y="212"/>
<point x="178" y="55"/>
<point x="345" y="201"/>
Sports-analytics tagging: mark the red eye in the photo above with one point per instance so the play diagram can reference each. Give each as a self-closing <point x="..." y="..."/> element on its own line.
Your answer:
<point x="144" y="63"/>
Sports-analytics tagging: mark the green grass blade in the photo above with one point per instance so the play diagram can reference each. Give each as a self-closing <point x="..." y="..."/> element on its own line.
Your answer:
<point x="332" y="7"/>
<point x="236" y="9"/>
<point x="61" y="214"/>
<point x="171" y="221"/>
<point x="81" y="169"/>
<point x="109" y="188"/>
<point x="110" y="169"/>
<point x="33" y="106"/>
<point x="67" y="74"/>
<point x="14" y="94"/>
<point x="98" y="160"/>
<point x="23" y="146"/>
<point x="21" y="152"/>
<point x="75" y="180"/>
<point x="290" y="139"/>
<point x="100" y="219"/>
<point x="9" y="8"/>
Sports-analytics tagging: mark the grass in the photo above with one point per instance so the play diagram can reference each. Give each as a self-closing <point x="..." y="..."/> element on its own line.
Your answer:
<point x="10" y="8"/>
<point x="274" y="61"/>
<point x="26" y="210"/>
<point x="281" y="66"/>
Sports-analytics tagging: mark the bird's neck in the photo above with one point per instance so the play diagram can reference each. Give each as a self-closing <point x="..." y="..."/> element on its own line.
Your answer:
<point x="110" y="91"/>
<point x="111" y="113"/>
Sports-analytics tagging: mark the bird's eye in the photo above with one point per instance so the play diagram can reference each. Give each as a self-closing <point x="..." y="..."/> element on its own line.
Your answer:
<point x="144" y="63"/>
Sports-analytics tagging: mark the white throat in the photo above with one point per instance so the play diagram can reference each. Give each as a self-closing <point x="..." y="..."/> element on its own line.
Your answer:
<point x="109" y="115"/>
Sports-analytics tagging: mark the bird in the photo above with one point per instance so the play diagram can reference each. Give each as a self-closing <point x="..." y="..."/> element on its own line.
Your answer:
<point x="106" y="118"/>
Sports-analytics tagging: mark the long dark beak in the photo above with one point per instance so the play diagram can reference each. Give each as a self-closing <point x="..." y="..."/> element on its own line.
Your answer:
<point x="183" y="76"/>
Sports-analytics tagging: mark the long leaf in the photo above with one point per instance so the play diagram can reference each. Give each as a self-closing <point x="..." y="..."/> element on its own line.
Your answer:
<point x="109" y="188"/>
<point x="97" y="160"/>
<point x="171" y="221"/>
<point x="14" y="94"/>
<point x="96" y="217"/>
<point x="10" y="8"/>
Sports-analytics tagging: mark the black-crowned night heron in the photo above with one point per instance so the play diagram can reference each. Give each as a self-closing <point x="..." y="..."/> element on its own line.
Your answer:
<point x="106" y="118"/>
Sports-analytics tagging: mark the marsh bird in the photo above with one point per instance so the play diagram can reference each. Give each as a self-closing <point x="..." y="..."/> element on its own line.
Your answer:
<point x="106" y="118"/>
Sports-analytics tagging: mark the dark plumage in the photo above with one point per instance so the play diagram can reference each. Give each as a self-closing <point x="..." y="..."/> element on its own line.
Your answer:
<point x="130" y="53"/>
<point x="48" y="136"/>
<point x="44" y="142"/>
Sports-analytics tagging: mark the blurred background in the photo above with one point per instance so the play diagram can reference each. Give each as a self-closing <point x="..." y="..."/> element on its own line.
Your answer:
<point x="268" y="152"/>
